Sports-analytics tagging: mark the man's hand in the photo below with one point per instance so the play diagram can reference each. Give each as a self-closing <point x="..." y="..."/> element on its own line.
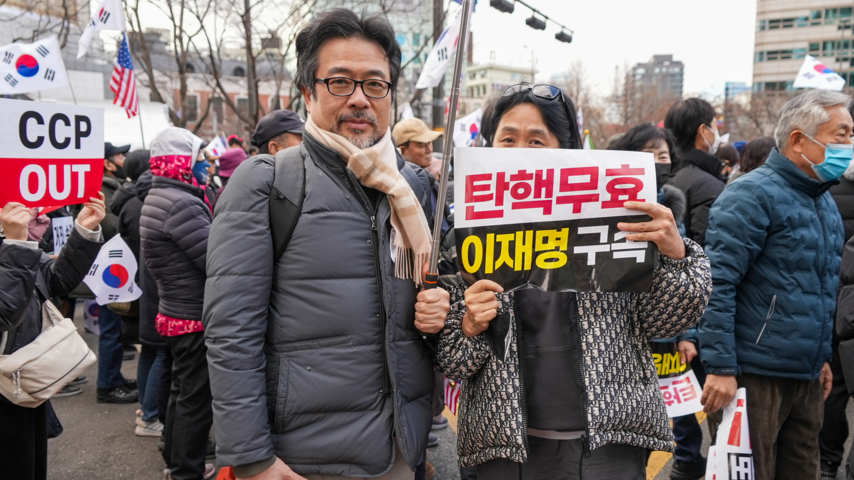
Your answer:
<point x="93" y="212"/>
<point x="14" y="219"/>
<point x="481" y="306"/>
<point x="661" y="230"/>
<point x="277" y="471"/>
<point x="826" y="379"/>
<point x="687" y="351"/>
<point x="432" y="309"/>
<point x="719" y="391"/>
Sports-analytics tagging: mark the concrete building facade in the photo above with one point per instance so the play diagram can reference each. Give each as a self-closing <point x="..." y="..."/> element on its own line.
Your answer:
<point x="789" y="30"/>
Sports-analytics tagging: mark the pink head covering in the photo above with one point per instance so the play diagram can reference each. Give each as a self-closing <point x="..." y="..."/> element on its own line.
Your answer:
<point x="173" y="154"/>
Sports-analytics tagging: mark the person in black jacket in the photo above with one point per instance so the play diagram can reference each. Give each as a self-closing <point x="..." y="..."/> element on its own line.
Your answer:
<point x="29" y="277"/>
<point x="698" y="174"/>
<point x="127" y="205"/>
<point x="174" y="233"/>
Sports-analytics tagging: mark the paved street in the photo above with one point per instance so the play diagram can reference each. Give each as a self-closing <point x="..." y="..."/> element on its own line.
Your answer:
<point x="99" y="443"/>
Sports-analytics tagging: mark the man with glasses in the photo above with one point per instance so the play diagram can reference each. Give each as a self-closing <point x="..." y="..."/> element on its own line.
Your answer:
<point x="316" y="354"/>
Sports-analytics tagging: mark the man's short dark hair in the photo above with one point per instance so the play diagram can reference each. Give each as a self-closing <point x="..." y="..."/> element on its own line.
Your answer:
<point x="343" y="23"/>
<point x="235" y="141"/>
<point x="281" y="139"/>
<point x="685" y="117"/>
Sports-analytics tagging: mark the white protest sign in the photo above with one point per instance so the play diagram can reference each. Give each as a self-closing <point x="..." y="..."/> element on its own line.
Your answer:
<point x="53" y="154"/>
<point x="731" y="457"/>
<point x="681" y="394"/>
<point x="111" y="277"/>
<point x="61" y="230"/>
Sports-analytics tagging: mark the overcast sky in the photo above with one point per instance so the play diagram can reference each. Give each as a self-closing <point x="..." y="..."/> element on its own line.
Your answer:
<point x="713" y="39"/>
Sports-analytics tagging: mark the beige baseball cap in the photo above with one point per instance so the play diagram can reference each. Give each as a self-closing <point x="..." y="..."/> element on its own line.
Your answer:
<point x="413" y="129"/>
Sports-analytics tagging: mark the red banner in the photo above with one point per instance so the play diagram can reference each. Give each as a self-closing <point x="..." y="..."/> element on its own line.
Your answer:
<point x="50" y="182"/>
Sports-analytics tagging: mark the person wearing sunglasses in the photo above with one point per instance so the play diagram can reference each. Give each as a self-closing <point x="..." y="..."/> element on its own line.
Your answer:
<point x="574" y="392"/>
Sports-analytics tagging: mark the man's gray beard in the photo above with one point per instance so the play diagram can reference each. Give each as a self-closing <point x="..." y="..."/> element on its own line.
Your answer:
<point x="364" y="142"/>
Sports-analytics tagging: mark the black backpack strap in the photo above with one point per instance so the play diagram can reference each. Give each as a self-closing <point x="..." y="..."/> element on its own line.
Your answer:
<point x="286" y="196"/>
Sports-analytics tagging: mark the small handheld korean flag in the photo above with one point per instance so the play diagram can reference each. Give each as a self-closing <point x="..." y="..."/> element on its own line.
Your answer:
<point x="217" y="146"/>
<point x="111" y="276"/>
<point x="30" y="67"/>
<point x="815" y="74"/>
<point x="108" y="16"/>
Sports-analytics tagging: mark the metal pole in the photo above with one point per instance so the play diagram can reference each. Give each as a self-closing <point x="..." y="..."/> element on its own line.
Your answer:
<point x="139" y="116"/>
<point x="433" y="275"/>
<point x="438" y="90"/>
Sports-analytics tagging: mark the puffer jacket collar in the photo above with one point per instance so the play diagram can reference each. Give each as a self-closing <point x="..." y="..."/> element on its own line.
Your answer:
<point x="163" y="182"/>
<point x="704" y="161"/>
<point x="795" y="177"/>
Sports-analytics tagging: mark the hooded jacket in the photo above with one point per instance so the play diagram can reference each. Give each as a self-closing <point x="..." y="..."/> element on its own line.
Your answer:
<point x="620" y="396"/>
<point x="29" y="277"/>
<point x="174" y="226"/>
<point x="698" y="176"/>
<point x="775" y="239"/>
<point x="314" y="356"/>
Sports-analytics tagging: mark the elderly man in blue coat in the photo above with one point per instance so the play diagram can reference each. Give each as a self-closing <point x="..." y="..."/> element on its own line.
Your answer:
<point x="775" y="239"/>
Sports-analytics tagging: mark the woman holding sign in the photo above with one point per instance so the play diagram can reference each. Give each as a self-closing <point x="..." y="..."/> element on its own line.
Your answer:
<point x="561" y="385"/>
<point x="29" y="277"/>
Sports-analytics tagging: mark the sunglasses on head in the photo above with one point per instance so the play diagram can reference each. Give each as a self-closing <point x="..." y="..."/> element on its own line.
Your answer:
<point x="547" y="92"/>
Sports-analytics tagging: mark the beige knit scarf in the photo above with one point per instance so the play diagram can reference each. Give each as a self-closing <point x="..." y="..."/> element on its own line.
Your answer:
<point x="376" y="167"/>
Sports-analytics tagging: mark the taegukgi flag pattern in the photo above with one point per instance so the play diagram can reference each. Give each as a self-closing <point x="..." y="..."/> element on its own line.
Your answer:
<point x="815" y="74"/>
<point x="30" y="67"/>
<point x="111" y="277"/>
<point x="440" y="56"/>
<point x="548" y="218"/>
<point x="108" y="16"/>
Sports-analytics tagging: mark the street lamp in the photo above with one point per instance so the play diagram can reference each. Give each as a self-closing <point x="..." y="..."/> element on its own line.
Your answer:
<point x="536" y="23"/>
<point x="502" y="5"/>
<point x="562" y="36"/>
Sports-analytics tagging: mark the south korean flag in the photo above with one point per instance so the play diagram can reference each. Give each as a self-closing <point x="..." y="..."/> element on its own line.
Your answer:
<point x="108" y="16"/>
<point x="111" y="277"/>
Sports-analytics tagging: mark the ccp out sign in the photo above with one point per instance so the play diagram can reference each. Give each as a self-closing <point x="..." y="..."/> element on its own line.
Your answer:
<point x="51" y="155"/>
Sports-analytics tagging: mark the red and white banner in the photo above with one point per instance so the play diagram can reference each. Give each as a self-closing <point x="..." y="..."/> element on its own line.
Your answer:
<point x="731" y="457"/>
<point x="52" y="155"/>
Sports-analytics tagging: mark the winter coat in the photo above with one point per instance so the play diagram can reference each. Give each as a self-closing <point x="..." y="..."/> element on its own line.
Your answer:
<point x="314" y="357"/>
<point x="698" y="176"/>
<point x="28" y="277"/>
<point x="774" y="240"/>
<point x="843" y="195"/>
<point x="622" y="401"/>
<point x="845" y="314"/>
<point x="126" y="204"/>
<point x="129" y="217"/>
<point x="110" y="223"/>
<point x="174" y="231"/>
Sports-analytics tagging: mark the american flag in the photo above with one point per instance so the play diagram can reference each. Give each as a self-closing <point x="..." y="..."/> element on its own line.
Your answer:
<point x="452" y="395"/>
<point x="123" y="83"/>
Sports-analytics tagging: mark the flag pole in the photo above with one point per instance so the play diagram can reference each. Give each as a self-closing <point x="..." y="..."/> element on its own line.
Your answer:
<point x="73" y="97"/>
<point x="433" y="273"/>
<point x="139" y="115"/>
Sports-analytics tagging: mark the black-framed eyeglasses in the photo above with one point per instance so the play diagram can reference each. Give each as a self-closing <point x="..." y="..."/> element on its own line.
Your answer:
<point x="547" y="92"/>
<point x="345" y="86"/>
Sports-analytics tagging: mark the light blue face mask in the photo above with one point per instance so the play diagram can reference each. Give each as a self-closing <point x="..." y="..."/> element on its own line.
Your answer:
<point x="837" y="157"/>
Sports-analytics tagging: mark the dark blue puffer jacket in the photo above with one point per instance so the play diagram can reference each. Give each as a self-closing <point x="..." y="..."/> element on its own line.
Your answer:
<point x="775" y="242"/>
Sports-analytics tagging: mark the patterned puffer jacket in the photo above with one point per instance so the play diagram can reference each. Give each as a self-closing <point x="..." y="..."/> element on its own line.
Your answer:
<point x="623" y="402"/>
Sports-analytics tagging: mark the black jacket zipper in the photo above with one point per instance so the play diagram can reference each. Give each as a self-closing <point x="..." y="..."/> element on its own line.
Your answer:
<point x="585" y="438"/>
<point x="522" y="398"/>
<point x="383" y="321"/>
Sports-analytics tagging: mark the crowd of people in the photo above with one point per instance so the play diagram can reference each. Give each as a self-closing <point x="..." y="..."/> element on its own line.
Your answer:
<point x="284" y="304"/>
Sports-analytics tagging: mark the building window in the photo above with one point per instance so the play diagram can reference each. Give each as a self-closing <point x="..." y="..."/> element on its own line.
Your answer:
<point x="242" y="105"/>
<point x="416" y="39"/>
<point x="773" y="24"/>
<point x="802" y="22"/>
<point x="192" y="108"/>
<point x="217" y="107"/>
<point x="238" y="72"/>
<point x="760" y="57"/>
<point x="815" y="47"/>
<point x="828" y="49"/>
<point x="845" y="12"/>
<point x="761" y="25"/>
<point x="800" y="52"/>
<point x="830" y="16"/>
<point x="787" y="22"/>
<point x="815" y="17"/>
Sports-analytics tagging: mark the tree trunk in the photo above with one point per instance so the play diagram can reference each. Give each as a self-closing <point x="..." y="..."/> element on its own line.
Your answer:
<point x="251" y="74"/>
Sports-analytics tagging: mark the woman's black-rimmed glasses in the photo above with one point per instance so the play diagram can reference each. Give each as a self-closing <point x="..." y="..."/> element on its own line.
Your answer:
<point x="344" y="86"/>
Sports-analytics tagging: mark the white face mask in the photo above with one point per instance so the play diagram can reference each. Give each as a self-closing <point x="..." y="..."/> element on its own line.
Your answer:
<point x="713" y="148"/>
